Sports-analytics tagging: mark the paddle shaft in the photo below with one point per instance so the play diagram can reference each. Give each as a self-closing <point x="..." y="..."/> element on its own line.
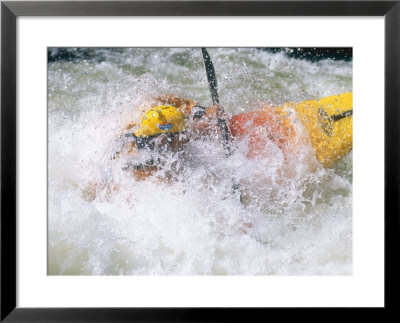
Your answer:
<point x="212" y="83"/>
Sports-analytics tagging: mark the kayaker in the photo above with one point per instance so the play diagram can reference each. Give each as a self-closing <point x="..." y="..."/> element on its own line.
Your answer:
<point x="172" y="122"/>
<point x="165" y="127"/>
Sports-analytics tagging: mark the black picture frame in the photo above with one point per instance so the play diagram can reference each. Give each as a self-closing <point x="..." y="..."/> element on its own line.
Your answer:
<point x="10" y="10"/>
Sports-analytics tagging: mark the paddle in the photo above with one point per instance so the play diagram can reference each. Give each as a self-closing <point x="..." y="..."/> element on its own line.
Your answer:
<point x="212" y="83"/>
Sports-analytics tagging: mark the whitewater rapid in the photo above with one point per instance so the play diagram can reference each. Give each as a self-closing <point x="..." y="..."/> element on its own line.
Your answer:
<point x="301" y="220"/>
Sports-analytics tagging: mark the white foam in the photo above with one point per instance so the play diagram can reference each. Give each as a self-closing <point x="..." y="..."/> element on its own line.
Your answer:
<point x="301" y="224"/>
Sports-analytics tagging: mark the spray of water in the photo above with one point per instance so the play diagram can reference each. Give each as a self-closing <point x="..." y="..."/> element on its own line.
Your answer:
<point x="296" y="218"/>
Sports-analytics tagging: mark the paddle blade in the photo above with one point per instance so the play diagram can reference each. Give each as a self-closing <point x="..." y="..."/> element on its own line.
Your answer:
<point x="211" y="77"/>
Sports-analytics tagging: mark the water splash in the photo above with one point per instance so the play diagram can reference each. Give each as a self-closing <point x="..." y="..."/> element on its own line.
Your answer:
<point x="296" y="219"/>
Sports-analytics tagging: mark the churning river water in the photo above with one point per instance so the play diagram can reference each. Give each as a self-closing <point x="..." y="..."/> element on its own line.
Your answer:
<point x="301" y="224"/>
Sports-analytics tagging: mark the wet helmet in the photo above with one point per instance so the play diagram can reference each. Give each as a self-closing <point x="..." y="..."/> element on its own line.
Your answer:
<point x="161" y="119"/>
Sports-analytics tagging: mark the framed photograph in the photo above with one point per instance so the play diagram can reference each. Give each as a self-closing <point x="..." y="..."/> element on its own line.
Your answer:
<point x="195" y="160"/>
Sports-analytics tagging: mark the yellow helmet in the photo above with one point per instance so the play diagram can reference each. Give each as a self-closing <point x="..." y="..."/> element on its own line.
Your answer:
<point x="161" y="119"/>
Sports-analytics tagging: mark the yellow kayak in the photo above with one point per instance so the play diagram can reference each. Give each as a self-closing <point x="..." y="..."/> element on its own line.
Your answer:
<point x="329" y="122"/>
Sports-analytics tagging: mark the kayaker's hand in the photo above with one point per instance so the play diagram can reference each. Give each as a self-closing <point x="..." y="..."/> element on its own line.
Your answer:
<point x="212" y="112"/>
<point x="216" y="111"/>
<point x="90" y="191"/>
<point x="246" y="226"/>
<point x="208" y="124"/>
